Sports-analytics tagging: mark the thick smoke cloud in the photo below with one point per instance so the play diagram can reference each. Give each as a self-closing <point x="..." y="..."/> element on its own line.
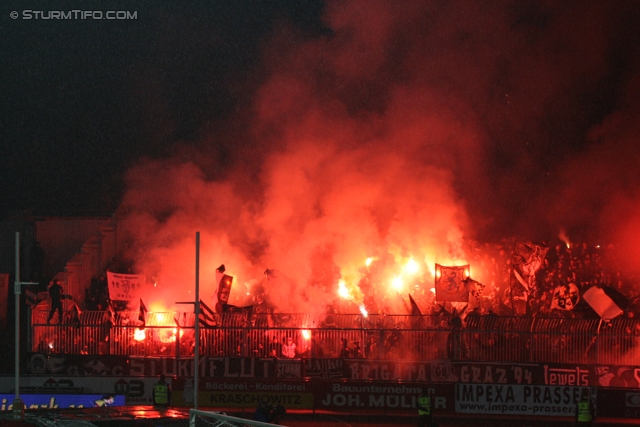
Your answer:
<point x="401" y="133"/>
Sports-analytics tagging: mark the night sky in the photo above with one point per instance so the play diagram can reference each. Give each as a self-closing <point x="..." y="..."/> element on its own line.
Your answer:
<point x="83" y="100"/>
<point x="291" y="131"/>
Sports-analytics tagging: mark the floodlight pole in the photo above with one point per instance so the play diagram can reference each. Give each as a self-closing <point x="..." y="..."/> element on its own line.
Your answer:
<point x="197" y="324"/>
<point x="18" y="405"/>
<point x="196" y="358"/>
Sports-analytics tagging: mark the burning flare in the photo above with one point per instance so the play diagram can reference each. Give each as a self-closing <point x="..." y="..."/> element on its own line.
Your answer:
<point x="411" y="267"/>
<point x="364" y="311"/>
<point x="343" y="291"/>
<point x="140" y="335"/>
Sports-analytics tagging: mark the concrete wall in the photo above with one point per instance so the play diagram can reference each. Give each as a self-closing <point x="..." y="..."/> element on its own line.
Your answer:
<point x="63" y="238"/>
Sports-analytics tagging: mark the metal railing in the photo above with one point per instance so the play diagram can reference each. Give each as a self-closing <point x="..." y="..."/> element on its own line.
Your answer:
<point x="398" y="337"/>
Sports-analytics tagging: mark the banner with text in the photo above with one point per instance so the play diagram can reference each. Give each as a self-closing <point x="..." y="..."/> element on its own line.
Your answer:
<point x="229" y="393"/>
<point x="136" y="391"/>
<point x="125" y="287"/>
<point x="57" y="401"/>
<point x="382" y="396"/>
<point x="518" y="399"/>
<point x="435" y="371"/>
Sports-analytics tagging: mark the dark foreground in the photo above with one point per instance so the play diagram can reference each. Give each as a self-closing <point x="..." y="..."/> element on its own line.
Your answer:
<point x="145" y="416"/>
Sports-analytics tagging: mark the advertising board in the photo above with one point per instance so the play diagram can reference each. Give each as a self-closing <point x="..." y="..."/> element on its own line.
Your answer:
<point x="536" y="400"/>
<point x="134" y="390"/>
<point x="57" y="401"/>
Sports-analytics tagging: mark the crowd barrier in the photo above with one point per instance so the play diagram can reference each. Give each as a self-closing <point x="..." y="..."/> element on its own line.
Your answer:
<point x="395" y="337"/>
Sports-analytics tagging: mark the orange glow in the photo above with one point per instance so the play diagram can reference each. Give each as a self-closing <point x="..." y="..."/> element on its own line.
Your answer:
<point x="411" y="267"/>
<point x="331" y="197"/>
<point x="169" y="335"/>
<point x="356" y="263"/>
<point x="343" y="291"/>
<point x="139" y="335"/>
<point x="364" y="311"/>
<point x="562" y="236"/>
<point x="306" y="334"/>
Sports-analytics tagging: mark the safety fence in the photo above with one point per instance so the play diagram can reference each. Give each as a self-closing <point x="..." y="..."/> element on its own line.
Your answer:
<point x="399" y="337"/>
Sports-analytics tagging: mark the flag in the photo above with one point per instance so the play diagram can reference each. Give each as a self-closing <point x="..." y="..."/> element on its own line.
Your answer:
<point x="75" y="315"/>
<point x="601" y="303"/>
<point x="125" y="287"/>
<point x="112" y="313"/>
<point x="236" y="316"/>
<point x="142" y="315"/>
<point x="206" y="318"/>
<point x="450" y="283"/>
<point x="565" y="297"/>
<point x="415" y="310"/>
<point x="527" y="259"/>
<point x="416" y="315"/>
<point x="474" y="288"/>
<point x="224" y="288"/>
<point x="229" y="308"/>
<point x="620" y="299"/>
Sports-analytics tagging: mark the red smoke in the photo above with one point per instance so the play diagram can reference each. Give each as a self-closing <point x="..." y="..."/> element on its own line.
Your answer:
<point x="408" y="130"/>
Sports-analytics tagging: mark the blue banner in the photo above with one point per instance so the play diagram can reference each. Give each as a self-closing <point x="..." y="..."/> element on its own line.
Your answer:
<point x="61" y="401"/>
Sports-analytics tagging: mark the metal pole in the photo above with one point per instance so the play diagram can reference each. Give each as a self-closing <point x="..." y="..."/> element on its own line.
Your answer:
<point x="16" y="290"/>
<point x="18" y="405"/>
<point x="197" y="324"/>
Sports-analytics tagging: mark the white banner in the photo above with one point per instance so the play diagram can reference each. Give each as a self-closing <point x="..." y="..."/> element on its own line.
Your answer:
<point x="537" y="400"/>
<point x="125" y="287"/>
<point x="601" y="303"/>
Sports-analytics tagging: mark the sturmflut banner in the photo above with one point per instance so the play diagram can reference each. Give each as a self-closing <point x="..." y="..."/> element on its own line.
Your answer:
<point x="518" y="399"/>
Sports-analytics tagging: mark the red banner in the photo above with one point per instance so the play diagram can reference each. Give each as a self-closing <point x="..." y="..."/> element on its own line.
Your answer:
<point x="450" y="285"/>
